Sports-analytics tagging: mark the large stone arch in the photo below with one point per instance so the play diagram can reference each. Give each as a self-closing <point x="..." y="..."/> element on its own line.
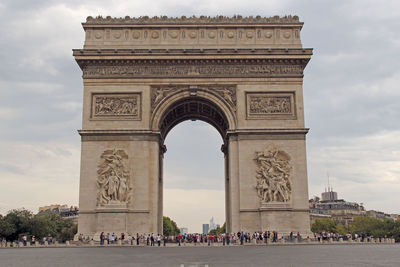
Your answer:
<point x="142" y="76"/>
<point x="193" y="94"/>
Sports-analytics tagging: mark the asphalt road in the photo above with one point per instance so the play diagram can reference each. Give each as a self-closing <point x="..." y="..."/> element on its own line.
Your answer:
<point x="299" y="255"/>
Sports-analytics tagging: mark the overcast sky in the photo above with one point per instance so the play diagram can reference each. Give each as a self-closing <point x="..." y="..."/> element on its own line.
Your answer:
<point x="351" y="89"/>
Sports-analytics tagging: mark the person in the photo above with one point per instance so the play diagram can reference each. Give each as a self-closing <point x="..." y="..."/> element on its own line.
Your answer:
<point x="179" y="239"/>
<point x="108" y="238"/>
<point x="112" y="238"/>
<point x="148" y="239"/>
<point x="152" y="240"/>
<point x="130" y="239"/>
<point x="158" y="240"/>
<point x="24" y="238"/>
<point x="102" y="237"/>
<point x="137" y="239"/>
<point x="165" y="240"/>
<point x="33" y="240"/>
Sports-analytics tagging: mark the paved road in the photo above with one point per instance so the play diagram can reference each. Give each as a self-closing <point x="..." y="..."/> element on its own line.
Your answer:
<point x="300" y="255"/>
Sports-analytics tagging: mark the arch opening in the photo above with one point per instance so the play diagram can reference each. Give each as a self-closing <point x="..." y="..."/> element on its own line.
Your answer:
<point x="202" y="109"/>
<point x="193" y="108"/>
<point x="193" y="176"/>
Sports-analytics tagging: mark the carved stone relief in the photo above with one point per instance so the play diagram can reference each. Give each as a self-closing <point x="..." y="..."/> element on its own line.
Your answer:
<point x="226" y="92"/>
<point x="116" y="106"/>
<point x="192" y="69"/>
<point x="273" y="175"/>
<point x="192" y="20"/>
<point x="270" y="105"/>
<point x="113" y="180"/>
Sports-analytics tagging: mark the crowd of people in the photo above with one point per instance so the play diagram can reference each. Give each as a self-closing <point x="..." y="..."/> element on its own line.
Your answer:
<point x="182" y="239"/>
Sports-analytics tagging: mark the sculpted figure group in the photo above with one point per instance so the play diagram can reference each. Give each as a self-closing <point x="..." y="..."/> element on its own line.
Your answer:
<point x="116" y="106"/>
<point x="269" y="105"/>
<point x="113" y="178"/>
<point x="273" y="175"/>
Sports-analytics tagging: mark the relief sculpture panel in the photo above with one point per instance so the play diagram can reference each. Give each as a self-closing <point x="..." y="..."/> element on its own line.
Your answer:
<point x="273" y="175"/>
<point x="271" y="105"/>
<point x="116" y="106"/>
<point x="113" y="179"/>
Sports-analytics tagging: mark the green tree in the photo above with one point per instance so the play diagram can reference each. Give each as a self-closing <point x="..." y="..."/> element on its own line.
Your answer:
<point x="54" y="225"/>
<point x="324" y="225"/>
<point x="169" y="227"/>
<point x="219" y="230"/>
<point x="17" y="222"/>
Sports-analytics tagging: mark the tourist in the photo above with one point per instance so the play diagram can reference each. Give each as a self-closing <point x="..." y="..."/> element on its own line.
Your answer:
<point x="158" y="240"/>
<point x="102" y="237"/>
<point x="112" y="238"/>
<point x="130" y="239"/>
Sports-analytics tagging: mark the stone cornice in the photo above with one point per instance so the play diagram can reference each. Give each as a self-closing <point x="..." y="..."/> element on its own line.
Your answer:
<point x="160" y="52"/>
<point x="164" y="20"/>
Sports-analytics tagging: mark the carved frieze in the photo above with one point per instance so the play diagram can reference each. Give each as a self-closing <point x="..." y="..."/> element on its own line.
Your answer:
<point x="124" y="106"/>
<point x="192" y="20"/>
<point x="193" y="68"/>
<point x="273" y="176"/>
<point x="113" y="180"/>
<point x="226" y="92"/>
<point x="271" y="105"/>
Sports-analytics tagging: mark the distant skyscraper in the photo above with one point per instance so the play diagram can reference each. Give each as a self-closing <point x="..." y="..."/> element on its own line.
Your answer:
<point x="212" y="224"/>
<point x="206" y="228"/>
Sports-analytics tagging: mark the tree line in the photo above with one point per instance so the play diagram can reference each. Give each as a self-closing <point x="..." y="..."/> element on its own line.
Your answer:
<point x="21" y="222"/>
<point x="361" y="225"/>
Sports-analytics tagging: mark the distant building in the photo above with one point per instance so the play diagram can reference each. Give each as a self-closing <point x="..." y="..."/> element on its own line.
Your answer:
<point x="340" y="210"/>
<point x="62" y="210"/>
<point x="183" y="230"/>
<point x="329" y="195"/>
<point x="331" y="207"/>
<point x="206" y="228"/>
<point x="218" y="226"/>
<point x="212" y="224"/>
<point x="380" y="214"/>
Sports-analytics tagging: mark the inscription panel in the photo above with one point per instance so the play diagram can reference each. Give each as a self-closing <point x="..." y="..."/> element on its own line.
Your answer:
<point x="116" y="106"/>
<point x="270" y="105"/>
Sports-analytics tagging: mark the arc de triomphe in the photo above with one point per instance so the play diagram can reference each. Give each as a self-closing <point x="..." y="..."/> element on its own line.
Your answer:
<point x="142" y="76"/>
